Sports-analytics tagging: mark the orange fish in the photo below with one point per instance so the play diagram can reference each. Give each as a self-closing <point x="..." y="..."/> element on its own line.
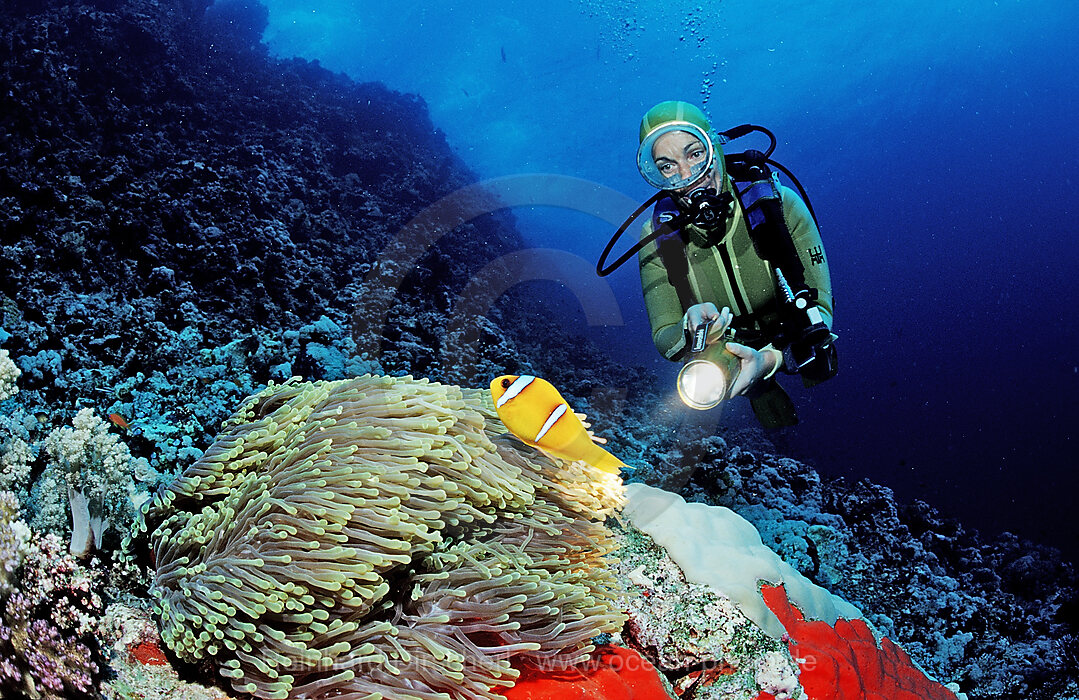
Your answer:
<point x="119" y="421"/>
<point x="534" y="411"/>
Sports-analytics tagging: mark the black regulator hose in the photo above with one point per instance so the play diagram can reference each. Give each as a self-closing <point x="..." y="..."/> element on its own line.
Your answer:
<point x="737" y="132"/>
<point x="801" y="190"/>
<point x="604" y="271"/>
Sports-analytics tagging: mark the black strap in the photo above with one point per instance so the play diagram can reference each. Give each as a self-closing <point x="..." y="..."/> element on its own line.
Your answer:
<point x="675" y="257"/>
<point x="670" y="236"/>
<point x="762" y="205"/>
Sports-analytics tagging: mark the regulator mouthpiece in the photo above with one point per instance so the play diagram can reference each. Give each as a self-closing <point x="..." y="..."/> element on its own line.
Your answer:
<point x="707" y="208"/>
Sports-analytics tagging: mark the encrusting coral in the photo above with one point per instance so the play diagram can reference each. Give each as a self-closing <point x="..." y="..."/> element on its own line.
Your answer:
<point x="380" y="537"/>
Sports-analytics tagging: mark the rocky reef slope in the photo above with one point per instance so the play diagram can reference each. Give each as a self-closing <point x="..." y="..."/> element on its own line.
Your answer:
<point x="184" y="218"/>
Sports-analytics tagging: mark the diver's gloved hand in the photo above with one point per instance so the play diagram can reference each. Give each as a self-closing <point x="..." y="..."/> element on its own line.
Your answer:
<point x="701" y="313"/>
<point x="757" y="365"/>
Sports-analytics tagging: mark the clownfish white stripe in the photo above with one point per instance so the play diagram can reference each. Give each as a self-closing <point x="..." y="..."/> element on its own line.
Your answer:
<point x="516" y="388"/>
<point x="551" y="420"/>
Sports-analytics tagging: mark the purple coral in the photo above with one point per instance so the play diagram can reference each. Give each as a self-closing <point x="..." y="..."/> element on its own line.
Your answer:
<point x="47" y="625"/>
<point x="58" y="662"/>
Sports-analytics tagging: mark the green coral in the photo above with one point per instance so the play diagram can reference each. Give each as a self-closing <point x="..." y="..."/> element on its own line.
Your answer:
<point x="380" y="537"/>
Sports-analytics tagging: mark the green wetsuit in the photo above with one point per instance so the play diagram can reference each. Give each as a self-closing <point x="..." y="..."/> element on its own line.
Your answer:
<point x="729" y="273"/>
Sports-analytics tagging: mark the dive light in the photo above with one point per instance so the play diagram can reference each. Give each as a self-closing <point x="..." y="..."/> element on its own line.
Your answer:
<point x="706" y="379"/>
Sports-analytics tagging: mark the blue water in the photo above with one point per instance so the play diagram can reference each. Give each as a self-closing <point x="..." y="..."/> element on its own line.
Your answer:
<point x="936" y="140"/>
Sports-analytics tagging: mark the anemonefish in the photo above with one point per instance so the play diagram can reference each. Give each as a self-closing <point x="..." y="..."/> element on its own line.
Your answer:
<point x="534" y="411"/>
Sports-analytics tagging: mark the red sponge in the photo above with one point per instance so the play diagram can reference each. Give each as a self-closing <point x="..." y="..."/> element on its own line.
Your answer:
<point x="840" y="662"/>
<point x="614" y="673"/>
<point x="844" y="662"/>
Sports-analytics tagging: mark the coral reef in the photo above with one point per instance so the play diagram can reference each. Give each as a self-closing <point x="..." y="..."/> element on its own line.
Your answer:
<point x="184" y="218"/>
<point x="367" y="536"/>
<point x="142" y="671"/>
<point x="50" y="606"/>
<point x="940" y="591"/>
<point x="91" y="473"/>
<point x="9" y="373"/>
<point x="725" y="552"/>
<point x="88" y="477"/>
<point x="701" y="637"/>
<point x="697" y="637"/>
<point x="14" y="540"/>
<point x="18" y="449"/>
<point x="166" y="273"/>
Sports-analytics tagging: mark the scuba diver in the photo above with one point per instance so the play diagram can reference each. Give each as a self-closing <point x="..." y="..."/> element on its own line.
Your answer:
<point x="733" y="270"/>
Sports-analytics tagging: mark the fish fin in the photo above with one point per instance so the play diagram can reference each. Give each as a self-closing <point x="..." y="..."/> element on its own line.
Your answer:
<point x="596" y="457"/>
<point x="608" y="462"/>
<point x="774" y="408"/>
<point x="583" y="417"/>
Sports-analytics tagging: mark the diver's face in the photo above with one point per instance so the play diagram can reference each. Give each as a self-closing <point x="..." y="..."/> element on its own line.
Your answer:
<point x="677" y="154"/>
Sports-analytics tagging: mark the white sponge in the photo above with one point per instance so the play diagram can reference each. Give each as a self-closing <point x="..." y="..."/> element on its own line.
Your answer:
<point x="717" y="547"/>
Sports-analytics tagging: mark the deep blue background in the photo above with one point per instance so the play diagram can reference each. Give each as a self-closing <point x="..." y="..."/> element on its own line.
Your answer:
<point x="937" y="143"/>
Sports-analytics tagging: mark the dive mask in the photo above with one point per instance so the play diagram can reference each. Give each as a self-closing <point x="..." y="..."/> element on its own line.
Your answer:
<point x="662" y="172"/>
